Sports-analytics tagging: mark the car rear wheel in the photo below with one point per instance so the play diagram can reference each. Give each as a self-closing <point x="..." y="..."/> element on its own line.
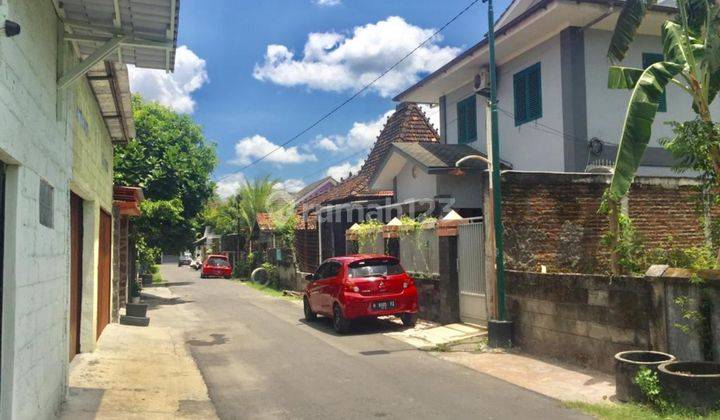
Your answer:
<point x="203" y="276"/>
<point x="309" y="314"/>
<point x="340" y="323"/>
<point x="409" y="320"/>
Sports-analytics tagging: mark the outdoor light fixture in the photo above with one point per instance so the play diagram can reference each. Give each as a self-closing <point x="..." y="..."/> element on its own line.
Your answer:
<point x="11" y="28"/>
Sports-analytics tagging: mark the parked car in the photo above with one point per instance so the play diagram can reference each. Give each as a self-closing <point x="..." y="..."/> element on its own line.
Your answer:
<point x="185" y="259"/>
<point x="359" y="286"/>
<point x="216" y="266"/>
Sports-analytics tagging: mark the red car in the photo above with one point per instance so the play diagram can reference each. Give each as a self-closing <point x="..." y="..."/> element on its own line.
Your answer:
<point x="358" y="286"/>
<point x="216" y="266"/>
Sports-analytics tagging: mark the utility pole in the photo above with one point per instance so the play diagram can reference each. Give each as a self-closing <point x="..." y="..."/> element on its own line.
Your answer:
<point x="499" y="330"/>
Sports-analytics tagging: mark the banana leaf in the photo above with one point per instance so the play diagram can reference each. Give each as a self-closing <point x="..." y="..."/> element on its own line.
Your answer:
<point x="623" y="77"/>
<point x="638" y="124"/>
<point x="628" y="22"/>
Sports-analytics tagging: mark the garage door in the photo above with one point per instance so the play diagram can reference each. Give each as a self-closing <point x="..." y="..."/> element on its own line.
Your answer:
<point x="105" y="240"/>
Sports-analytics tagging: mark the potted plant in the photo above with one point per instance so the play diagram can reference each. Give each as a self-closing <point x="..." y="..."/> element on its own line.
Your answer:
<point x="627" y="365"/>
<point x="135" y="289"/>
<point x="694" y="385"/>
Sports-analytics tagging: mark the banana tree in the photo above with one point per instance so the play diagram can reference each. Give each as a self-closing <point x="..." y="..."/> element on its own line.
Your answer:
<point x="691" y="61"/>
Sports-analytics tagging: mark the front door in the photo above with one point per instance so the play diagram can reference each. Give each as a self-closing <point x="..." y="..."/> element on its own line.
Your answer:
<point x="105" y="239"/>
<point x="76" y="249"/>
<point x="471" y="273"/>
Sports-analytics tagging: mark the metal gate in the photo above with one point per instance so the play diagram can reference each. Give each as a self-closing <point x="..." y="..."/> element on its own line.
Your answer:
<point x="471" y="273"/>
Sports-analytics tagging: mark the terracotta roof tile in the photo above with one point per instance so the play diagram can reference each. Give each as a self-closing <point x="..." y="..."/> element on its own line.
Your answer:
<point x="407" y="124"/>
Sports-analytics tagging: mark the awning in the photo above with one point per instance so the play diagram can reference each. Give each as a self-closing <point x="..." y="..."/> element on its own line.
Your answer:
<point x="109" y="83"/>
<point x="139" y="32"/>
<point x="127" y="200"/>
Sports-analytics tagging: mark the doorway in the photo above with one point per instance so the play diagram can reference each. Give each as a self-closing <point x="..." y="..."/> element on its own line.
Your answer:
<point x="105" y="239"/>
<point x="2" y="243"/>
<point x="76" y="250"/>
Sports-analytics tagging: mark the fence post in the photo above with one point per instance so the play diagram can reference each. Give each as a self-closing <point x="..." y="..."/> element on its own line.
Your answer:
<point x="448" y="267"/>
<point x="391" y="235"/>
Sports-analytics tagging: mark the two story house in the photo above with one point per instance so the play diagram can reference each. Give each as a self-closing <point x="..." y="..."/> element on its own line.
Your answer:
<point x="556" y="113"/>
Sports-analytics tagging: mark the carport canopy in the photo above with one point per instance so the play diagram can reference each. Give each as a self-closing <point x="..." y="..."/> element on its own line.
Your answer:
<point x="138" y="32"/>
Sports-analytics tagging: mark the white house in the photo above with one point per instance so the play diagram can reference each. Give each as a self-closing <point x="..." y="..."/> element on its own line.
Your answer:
<point x="556" y="112"/>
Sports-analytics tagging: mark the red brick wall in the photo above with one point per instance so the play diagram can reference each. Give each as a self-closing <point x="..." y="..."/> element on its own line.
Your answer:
<point x="537" y="205"/>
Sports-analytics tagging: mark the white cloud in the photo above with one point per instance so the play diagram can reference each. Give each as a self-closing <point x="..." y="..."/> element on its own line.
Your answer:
<point x="249" y="149"/>
<point x="327" y="2"/>
<point x="338" y="62"/>
<point x="172" y="89"/>
<point x="344" y="169"/>
<point x="229" y="185"/>
<point x="361" y="136"/>
<point x="292" y="185"/>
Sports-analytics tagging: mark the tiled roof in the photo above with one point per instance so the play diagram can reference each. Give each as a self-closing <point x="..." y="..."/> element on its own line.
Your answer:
<point x="264" y="221"/>
<point x="407" y="124"/>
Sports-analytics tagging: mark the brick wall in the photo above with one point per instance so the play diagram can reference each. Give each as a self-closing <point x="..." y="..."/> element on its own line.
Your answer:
<point x="306" y="249"/>
<point x="581" y="319"/>
<point x="537" y="205"/>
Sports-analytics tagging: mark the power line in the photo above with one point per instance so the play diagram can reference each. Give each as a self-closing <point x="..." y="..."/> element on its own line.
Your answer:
<point x="356" y="94"/>
<point x="334" y="163"/>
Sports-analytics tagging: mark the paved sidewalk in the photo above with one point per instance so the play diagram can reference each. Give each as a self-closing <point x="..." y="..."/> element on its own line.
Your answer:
<point x="138" y="373"/>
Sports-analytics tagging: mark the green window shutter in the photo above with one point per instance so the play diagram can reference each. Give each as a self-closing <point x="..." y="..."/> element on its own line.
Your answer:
<point x="527" y="88"/>
<point x="648" y="60"/>
<point x="467" y="120"/>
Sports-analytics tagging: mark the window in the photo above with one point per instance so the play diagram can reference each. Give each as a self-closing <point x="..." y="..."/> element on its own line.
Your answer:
<point x="528" y="95"/>
<point x="375" y="268"/>
<point x="327" y="270"/>
<point x="218" y="262"/>
<point x="648" y="60"/>
<point x="46" y="204"/>
<point x="467" y="120"/>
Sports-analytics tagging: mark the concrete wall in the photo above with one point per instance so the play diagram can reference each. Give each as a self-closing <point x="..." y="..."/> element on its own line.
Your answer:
<point x="35" y="144"/>
<point x="582" y="319"/>
<point x="421" y="186"/>
<point x="92" y="181"/>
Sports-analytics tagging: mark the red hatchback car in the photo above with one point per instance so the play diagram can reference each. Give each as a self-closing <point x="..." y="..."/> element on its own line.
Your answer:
<point x="216" y="266"/>
<point x="358" y="286"/>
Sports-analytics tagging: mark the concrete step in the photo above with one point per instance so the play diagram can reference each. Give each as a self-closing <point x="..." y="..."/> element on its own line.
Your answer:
<point x="137" y="321"/>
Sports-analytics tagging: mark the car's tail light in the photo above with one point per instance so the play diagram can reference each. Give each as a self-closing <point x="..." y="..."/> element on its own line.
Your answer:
<point x="407" y="283"/>
<point x="351" y="287"/>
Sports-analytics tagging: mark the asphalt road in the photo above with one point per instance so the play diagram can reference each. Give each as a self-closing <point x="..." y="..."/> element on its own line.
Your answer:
<point x="261" y="360"/>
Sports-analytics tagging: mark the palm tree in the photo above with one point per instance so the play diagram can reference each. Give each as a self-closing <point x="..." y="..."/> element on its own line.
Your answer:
<point x="691" y="60"/>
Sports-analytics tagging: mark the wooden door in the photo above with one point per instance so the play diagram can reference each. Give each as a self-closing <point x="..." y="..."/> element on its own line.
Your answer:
<point x="76" y="249"/>
<point x="105" y="240"/>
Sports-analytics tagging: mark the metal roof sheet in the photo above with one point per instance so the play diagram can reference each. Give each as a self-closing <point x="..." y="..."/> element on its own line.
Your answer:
<point x="146" y="21"/>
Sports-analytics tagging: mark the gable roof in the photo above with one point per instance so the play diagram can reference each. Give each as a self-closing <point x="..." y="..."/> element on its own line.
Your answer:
<point x="407" y="124"/>
<point x="310" y="190"/>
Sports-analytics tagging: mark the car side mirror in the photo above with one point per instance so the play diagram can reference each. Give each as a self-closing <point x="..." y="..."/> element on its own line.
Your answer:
<point x="310" y="277"/>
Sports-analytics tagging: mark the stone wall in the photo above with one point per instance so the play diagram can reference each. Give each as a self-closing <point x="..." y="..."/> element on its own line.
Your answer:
<point x="306" y="249"/>
<point x="554" y="217"/>
<point x="581" y="319"/>
<point x="429" y="302"/>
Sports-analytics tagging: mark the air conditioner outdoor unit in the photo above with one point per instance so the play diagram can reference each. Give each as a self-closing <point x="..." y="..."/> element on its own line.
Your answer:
<point x="482" y="82"/>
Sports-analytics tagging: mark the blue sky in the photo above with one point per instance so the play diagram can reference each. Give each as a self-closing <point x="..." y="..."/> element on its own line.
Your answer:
<point x="255" y="73"/>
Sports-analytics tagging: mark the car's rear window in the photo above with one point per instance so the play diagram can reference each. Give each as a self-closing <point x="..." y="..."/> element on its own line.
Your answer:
<point x="375" y="267"/>
<point x="222" y="262"/>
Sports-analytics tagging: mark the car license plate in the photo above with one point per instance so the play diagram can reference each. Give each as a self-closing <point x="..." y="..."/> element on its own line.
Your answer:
<point x="383" y="306"/>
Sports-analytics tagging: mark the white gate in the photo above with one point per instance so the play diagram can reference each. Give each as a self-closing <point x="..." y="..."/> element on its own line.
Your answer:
<point x="471" y="273"/>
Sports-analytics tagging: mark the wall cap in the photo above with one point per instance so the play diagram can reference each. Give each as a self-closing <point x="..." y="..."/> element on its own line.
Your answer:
<point x="656" y="270"/>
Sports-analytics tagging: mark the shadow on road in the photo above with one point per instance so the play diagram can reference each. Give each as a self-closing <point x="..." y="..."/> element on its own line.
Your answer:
<point x="217" y="340"/>
<point x="363" y="326"/>
<point x="155" y="301"/>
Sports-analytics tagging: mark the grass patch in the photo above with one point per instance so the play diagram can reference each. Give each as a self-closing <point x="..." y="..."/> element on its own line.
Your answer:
<point x="267" y="289"/>
<point x="635" y="412"/>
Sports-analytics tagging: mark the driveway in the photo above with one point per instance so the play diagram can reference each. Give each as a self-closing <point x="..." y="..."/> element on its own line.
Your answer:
<point x="261" y="360"/>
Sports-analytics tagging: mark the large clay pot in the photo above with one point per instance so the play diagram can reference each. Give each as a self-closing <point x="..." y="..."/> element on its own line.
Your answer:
<point x="692" y="384"/>
<point x="627" y="365"/>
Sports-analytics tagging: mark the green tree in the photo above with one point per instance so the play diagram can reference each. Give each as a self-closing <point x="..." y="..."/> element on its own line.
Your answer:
<point x="691" y="61"/>
<point x="171" y="160"/>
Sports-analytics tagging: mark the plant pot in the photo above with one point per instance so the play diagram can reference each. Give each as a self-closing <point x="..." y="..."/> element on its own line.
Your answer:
<point x="136" y="309"/>
<point x="694" y="385"/>
<point x="627" y="365"/>
<point x="146" y="279"/>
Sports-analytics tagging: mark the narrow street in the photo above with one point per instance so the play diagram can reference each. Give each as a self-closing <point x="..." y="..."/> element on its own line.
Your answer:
<point x="261" y="360"/>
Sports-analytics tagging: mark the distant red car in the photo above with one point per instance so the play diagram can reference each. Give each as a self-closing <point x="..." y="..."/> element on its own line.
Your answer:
<point x="357" y="286"/>
<point x="216" y="266"/>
